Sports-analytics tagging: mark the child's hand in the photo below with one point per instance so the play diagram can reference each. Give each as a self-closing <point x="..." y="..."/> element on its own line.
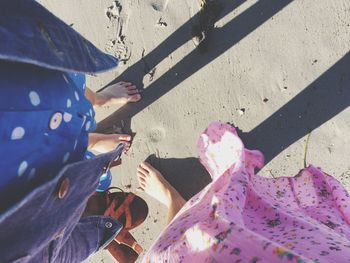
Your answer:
<point x="103" y="143"/>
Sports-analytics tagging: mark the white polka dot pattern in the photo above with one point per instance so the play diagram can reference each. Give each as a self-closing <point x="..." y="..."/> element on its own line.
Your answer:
<point x="22" y="168"/>
<point x="88" y="125"/>
<point x="55" y="120"/>
<point x="17" y="133"/>
<point x="76" y="95"/>
<point x="67" y="117"/>
<point x="66" y="157"/>
<point x="34" y="98"/>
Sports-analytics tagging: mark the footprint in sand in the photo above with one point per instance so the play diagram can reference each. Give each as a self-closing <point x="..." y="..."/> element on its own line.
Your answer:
<point x="159" y="5"/>
<point x="113" y="11"/>
<point x="117" y="45"/>
<point x="156" y="134"/>
<point x="119" y="49"/>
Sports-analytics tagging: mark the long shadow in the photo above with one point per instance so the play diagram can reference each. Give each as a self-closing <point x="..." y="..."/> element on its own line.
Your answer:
<point x="323" y="99"/>
<point x="319" y="102"/>
<point x="188" y="176"/>
<point x="225" y="37"/>
<point x="138" y="70"/>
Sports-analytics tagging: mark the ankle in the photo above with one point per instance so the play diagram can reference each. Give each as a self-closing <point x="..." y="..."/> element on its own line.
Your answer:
<point x="175" y="198"/>
<point x="169" y="197"/>
<point x="100" y="100"/>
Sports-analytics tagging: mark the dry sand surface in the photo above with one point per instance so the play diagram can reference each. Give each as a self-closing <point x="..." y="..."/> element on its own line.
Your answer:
<point x="278" y="70"/>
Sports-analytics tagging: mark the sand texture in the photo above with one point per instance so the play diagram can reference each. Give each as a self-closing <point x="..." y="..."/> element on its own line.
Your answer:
<point x="277" y="70"/>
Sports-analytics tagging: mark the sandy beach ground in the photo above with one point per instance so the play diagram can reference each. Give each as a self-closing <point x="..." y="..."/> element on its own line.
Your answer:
<point x="277" y="70"/>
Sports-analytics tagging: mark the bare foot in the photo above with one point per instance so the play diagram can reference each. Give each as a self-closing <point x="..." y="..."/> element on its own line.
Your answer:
<point x="153" y="183"/>
<point x="103" y="143"/>
<point x="118" y="94"/>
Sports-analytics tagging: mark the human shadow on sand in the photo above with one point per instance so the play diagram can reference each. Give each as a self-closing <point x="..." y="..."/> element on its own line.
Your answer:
<point x="316" y="104"/>
<point x="217" y="41"/>
<point x="187" y="175"/>
<point x="323" y="99"/>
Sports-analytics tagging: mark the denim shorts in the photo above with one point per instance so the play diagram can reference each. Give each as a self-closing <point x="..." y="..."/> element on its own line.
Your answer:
<point x="46" y="225"/>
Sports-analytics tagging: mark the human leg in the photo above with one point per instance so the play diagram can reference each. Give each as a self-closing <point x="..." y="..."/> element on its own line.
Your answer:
<point x="154" y="184"/>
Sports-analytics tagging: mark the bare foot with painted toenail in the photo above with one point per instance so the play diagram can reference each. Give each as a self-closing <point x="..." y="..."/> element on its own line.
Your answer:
<point x="103" y="143"/>
<point x="118" y="94"/>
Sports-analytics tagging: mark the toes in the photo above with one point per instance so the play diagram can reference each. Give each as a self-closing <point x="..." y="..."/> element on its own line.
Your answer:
<point x="142" y="184"/>
<point x="128" y="85"/>
<point x="142" y="171"/>
<point x="141" y="179"/>
<point x="140" y="174"/>
<point x="134" y="98"/>
<point x="132" y="87"/>
<point x="146" y="166"/>
<point x="124" y="83"/>
<point x="133" y="91"/>
<point x="126" y="146"/>
<point x="123" y="137"/>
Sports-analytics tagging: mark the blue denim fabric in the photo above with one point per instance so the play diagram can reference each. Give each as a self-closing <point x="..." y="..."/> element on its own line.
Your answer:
<point x="42" y="148"/>
<point x="43" y="228"/>
<point x="40" y="227"/>
<point x="31" y="34"/>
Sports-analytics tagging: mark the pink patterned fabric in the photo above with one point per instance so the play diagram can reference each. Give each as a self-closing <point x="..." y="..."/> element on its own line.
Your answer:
<point x="242" y="217"/>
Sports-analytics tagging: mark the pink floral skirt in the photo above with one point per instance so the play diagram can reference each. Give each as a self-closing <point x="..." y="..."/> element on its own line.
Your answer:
<point x="242" y="217"/>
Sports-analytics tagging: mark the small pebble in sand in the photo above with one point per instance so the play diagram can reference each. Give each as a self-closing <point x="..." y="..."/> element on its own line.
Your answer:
<point x="330" y="149"/>
<point x="241" y="111"/>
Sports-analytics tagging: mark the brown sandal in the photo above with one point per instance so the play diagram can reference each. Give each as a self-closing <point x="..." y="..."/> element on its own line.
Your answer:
<point x="122" y="253"/>
<point x="129" y="209"/>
